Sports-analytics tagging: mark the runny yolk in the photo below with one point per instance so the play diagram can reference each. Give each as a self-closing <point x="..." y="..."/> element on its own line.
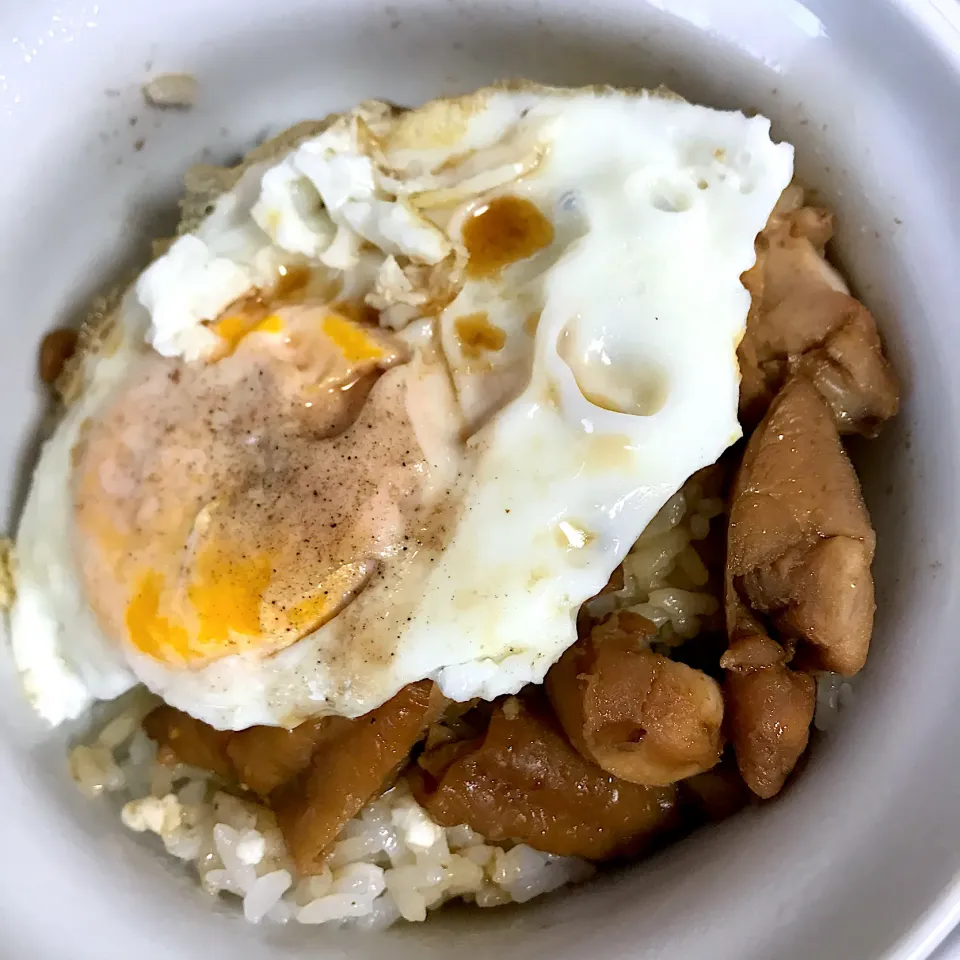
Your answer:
<point x="337" y="586"/>
<point x="153" y="634"/>
<point x="351" y="339"/>
<point x="225" y="520"/>
<point x="232" y="329"/>
<point x="309" y="613"/>
<point x="235" y="326"/>
<point x="269" y="324"/>
<point x="225" y="593"/>
<point x="503" y="231"/>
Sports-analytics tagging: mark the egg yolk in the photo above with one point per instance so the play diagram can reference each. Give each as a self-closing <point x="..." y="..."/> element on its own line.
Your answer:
<point x="235" y="326"/>
<point x="150" y="631"/>
<point x="232" y="506"/>
<point x="352" y="341"/>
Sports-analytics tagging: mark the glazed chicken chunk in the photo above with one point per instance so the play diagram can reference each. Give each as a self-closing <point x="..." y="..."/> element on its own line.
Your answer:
<point x="800" y="541"/>
<point x="522" y="780"/>
<point x="316" y="776"/>
<point x="769" y="708"/>
<point x="798" y="586"/>
<point x="635" y="713"/>
<point x="259" y="759"/>
<point x="803" y="322"/>
<point x="349" y="771"/>
<point x="800" y="545"/>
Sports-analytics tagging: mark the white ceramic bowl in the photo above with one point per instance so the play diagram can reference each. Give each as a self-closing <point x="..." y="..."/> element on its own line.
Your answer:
<point x="859" y="858"/>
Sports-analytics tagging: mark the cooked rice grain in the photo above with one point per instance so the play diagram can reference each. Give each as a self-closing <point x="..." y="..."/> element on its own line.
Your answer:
<point x="663" y="566"/>
<point x="392" y="861"/>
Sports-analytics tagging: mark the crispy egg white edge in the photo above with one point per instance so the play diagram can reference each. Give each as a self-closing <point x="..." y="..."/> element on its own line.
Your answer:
<point x="65" y="661"/>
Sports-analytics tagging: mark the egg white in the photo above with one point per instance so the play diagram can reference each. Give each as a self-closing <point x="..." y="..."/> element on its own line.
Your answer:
<point x="64" y="659"/>
<point x="655" y="205"/>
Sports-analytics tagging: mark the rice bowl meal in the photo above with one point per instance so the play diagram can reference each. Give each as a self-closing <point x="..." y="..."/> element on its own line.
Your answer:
<point x="457" y="504"/>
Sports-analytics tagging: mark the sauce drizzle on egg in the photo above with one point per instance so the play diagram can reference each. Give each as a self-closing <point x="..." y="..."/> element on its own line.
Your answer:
<point x="477" y="334"/>
<point x="503" y="231"/>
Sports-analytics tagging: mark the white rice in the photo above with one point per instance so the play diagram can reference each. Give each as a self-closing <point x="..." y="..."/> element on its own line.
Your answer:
<point x="660" y="561"/>
<point x="390" y="862"/>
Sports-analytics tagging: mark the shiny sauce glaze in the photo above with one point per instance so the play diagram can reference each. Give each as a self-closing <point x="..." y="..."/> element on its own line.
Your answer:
<point x="503" y="231"/>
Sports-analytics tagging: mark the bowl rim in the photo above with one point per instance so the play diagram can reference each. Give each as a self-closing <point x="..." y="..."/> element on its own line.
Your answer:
<point x="938" y="22"/>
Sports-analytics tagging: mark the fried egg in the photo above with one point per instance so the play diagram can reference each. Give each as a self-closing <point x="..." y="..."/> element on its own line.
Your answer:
<point x="396" y="408"/>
